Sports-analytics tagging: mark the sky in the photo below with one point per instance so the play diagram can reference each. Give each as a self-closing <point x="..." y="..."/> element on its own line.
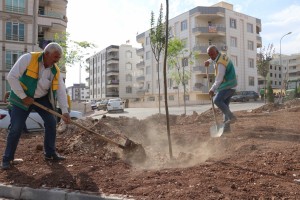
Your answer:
<point x="107" y="22"/>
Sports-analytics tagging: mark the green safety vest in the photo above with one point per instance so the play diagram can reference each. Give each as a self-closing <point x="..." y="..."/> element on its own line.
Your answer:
<point x="30" y="77"/>
<point x="229" y="80"/>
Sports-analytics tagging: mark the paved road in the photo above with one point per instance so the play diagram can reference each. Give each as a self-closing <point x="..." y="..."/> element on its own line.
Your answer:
<point x="142" y="113"/>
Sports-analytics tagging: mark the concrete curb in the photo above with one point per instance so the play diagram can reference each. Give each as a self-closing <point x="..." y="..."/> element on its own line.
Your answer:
<point x="26" y="193"/>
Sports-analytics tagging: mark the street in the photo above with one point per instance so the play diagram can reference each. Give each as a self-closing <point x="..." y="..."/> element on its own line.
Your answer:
<point x="142" y="113"/>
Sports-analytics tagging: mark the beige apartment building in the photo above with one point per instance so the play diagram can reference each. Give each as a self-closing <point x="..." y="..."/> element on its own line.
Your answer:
<point x="115" y="72"/>
<point x="26" y="26"/>
<point x="234" y="33"/>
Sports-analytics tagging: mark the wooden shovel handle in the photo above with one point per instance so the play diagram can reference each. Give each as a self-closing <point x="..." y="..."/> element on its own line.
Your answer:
<point x="79" y="125"/>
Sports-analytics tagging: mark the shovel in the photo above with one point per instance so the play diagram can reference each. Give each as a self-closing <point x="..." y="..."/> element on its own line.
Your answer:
<point x="218" y="129"/>
<point x="134" y="152"/>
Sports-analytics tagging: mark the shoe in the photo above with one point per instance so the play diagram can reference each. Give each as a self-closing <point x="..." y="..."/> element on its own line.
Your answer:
<point x="226" y="131"/>
<point x="25" y="131"/>
<point x="55" y="157"/>
<point x="6" y="165"/>
<point x="232" y="120"/>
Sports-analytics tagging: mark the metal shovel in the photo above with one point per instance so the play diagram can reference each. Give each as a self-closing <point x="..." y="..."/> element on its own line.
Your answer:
<point x="132" y="150"/>
<point x="218" y="129"/>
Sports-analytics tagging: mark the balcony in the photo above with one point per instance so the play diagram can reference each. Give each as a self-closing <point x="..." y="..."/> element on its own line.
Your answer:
<point x="140" y="38"/>
<point x="140" y="52"/>
<point x="140" y="78"/>
<point x="213" y="30"/>
<point x="141" y="91"/>
<point x="112" y="57"/>
<point x="202" y="47"/>
<point x="209" y="12"/>
<point x="202" y="69"/>
<point x="140" y="64"/>
<point x="112" y="82"/>
<point x="259" y="42"/>
<point x="112" y="48"/>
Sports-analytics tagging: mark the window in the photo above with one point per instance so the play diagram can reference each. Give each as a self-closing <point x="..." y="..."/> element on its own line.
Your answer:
<point x="251" y="81"/>
<point x="129" y="89"/>
<point x="251" y="62"/>
<point x="128" y="77"/>
<point x="170" y="82"/>
<point x="234" y="60"/>
<point x="15" y="31"/>
<point x="11" y="57"/>
<point x="184" y="25"/>
<point x="271" y="75"/>
<point x="148" y="54"/>
<point x="128" y="54"/>
<point x="171" y="98"/>
<point x="250" y="45"/>
<point x="233" y="41"/>
<point x="147" y="40"/>
<point x="128" y="66"/>
<point x="17" y="6"/>
<point x="148" y="70"/>
<point x="185" y="62"/>
<point x="184" y="42"/>
<point x="249" y="28"/>
<point x="232" y="23"/>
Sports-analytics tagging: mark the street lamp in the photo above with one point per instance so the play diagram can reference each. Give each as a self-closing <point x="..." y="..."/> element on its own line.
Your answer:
<point x="281" y="63"/>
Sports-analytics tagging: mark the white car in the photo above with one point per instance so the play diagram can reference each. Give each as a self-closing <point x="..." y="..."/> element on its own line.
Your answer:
<point x="115" y="105"/>
<point x="34" y="121"/>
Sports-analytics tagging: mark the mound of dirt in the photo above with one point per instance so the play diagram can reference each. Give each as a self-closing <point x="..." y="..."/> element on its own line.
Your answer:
<point x="259" y="160"/>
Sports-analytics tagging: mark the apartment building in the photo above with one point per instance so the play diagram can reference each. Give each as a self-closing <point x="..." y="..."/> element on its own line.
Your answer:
<point x="115" y="72"/>
<point x="234" y="33"/>
<point x="26" y="26"/>
<point x="79" y="92"/>
<point x="279" y="74"/>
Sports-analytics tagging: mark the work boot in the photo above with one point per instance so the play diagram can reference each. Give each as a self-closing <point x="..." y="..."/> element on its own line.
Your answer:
<point x="54" y="157"/>
<point x="231" y="120"/>
<point x="6" y="165"/>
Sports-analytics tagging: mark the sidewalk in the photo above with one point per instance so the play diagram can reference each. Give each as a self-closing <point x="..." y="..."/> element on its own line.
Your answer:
<point x="24" y="193"/>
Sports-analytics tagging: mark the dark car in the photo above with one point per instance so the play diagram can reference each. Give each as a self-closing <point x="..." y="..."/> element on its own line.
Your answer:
<point x="238" y="97"/>
<point x="250" y="95"/>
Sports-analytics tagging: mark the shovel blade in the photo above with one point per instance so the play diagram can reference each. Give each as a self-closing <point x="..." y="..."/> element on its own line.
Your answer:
<point x="216" y="130"/>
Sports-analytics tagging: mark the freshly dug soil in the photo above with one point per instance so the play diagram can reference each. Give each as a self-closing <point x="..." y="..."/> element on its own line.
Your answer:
<point x="259" y="159"/>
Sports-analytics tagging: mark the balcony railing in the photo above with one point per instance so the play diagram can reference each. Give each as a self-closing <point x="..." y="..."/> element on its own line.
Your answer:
<point x="140" y="78"/>
<point x="53" y="15"/>
<point x="15" y="9"/>
<point x="218" y="29"/>
<point x="113" y="82"/>
<point x="202" y="47"/>
<point x="15" y="37"/>
<point x="140" y="64"/>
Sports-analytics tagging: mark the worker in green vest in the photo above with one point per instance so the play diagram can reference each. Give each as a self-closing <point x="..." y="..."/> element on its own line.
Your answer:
<point x="224" y="85"/>
<point x="36" y="78"/>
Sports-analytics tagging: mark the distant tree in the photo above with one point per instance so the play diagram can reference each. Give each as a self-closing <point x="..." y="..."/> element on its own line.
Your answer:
<point x="74" y="51"/>
<point x="264" y="57"/>
<point x="165" y="80"/>
<point x="157" y="41"/>
<point x="178" y="58"/>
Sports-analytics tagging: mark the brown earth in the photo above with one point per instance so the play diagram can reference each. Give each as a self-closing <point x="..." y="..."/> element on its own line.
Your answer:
<point x="260" y="159"/>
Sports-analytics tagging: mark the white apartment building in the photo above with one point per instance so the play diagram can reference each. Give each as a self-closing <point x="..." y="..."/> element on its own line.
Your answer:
<point x="79" y="92"/>
<point x="26" y="26"/>
<point x="115" y="72"/>
<point x="234" y="33"/>
<point x="278" y="75"/>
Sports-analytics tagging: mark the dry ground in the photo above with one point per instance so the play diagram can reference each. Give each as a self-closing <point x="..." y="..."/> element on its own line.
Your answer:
<point x="260" y="159"/>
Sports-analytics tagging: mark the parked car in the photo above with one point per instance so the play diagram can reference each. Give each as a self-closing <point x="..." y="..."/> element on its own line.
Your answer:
<point x="115" y="105"/>
<point x="93" y="105"/>
<point x="250" y="95"/>
<point x="102" y="105"/>
<point x="238" y="97"/>
<point x="34" y="121"/>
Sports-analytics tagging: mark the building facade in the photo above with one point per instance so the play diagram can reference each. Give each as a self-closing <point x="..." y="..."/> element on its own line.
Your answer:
<point x="279" y="75"/>
<point x="233" y="33"/>
<point x="26" y="26"/>
<point x="79" y="92"/>
<point x="113" y="72"/>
